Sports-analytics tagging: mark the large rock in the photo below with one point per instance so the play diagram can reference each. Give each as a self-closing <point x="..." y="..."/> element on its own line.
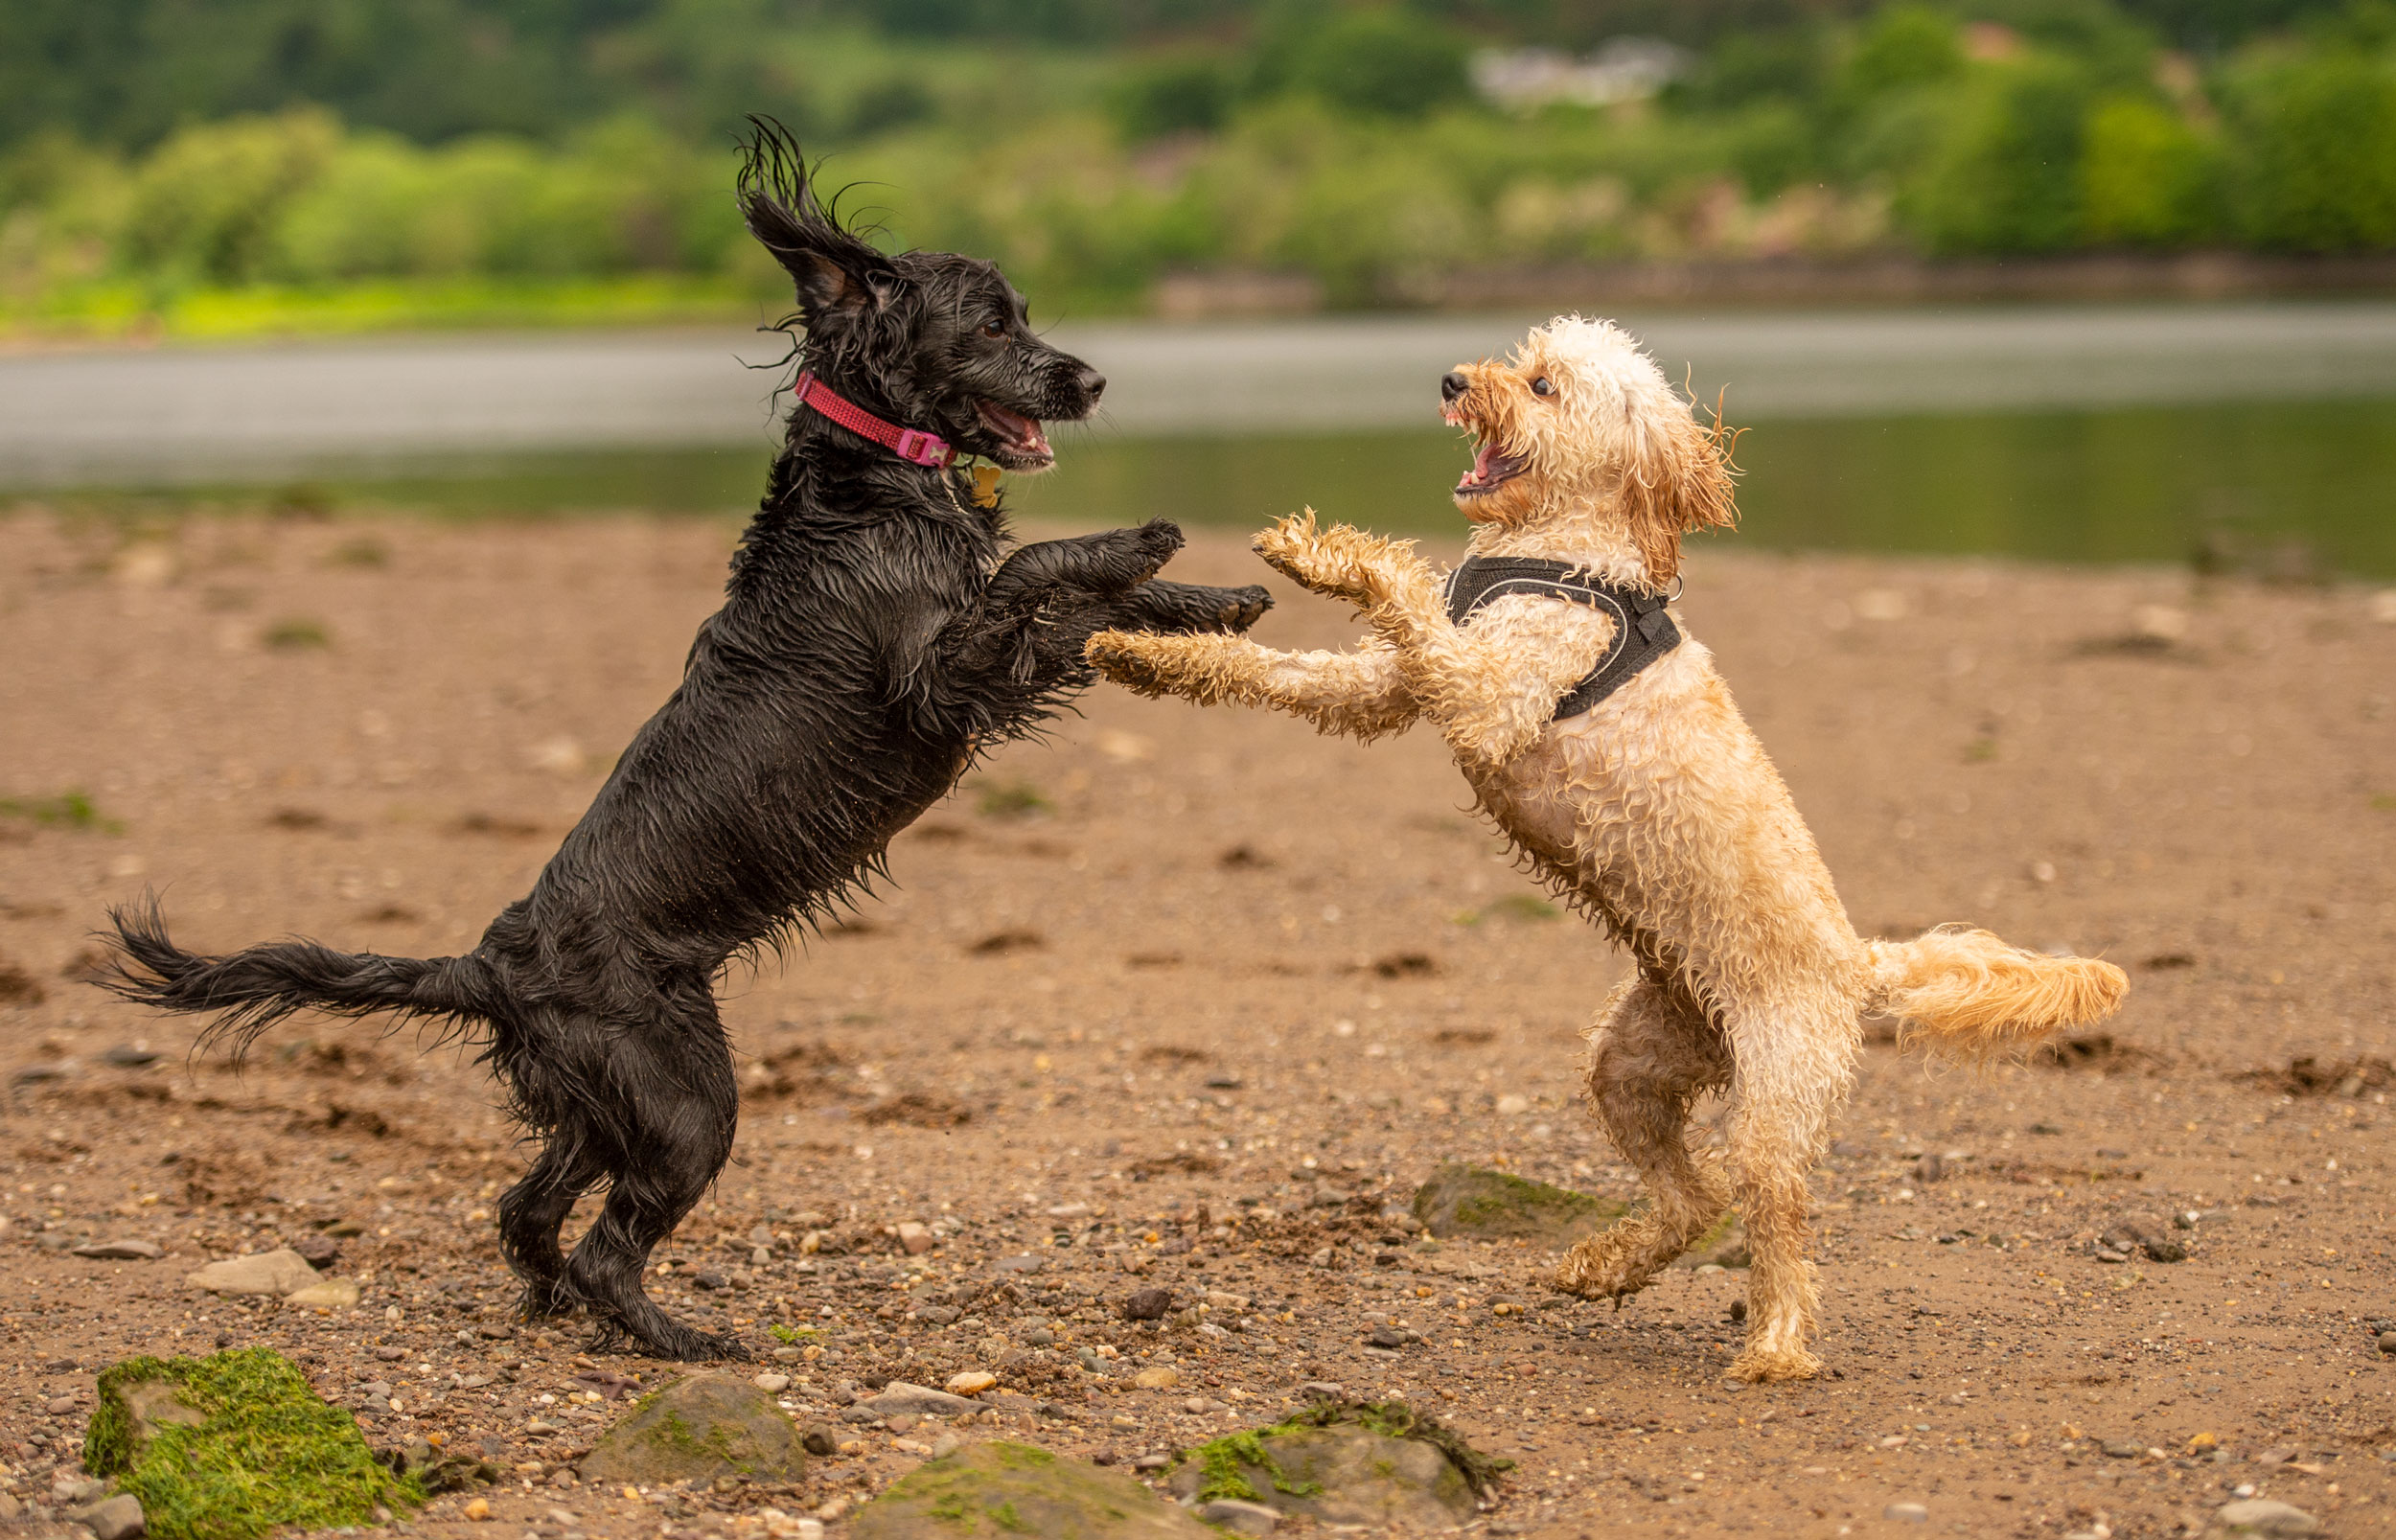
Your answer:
<point x="231" y="1446"/>
<point x="999" y="1489"/>
<point x="699" y="1428"/>
<point x="1479" y="1204"/>
<point x="1344" y="1474"/>
<point x="276" y="1272"/>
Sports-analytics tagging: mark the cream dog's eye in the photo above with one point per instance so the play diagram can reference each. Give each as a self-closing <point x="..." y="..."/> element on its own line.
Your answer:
<point x="1542" y="387"/>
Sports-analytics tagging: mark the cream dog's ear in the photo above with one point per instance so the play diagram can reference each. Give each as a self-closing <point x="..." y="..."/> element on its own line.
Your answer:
<point x="1676" y="476"/>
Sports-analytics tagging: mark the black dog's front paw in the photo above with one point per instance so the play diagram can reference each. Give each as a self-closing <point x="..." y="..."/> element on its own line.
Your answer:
<point x="1190" y="607"/>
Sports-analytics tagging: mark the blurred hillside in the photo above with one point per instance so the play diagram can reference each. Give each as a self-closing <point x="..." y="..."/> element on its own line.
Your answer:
<point x="243" y="164"/>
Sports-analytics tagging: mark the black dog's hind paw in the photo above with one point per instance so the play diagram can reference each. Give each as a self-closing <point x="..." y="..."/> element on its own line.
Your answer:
<point x="1190" y="607"/>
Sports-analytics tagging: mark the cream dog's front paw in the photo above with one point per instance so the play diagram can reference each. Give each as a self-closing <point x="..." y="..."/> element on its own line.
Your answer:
<point x="1343" y="561"/>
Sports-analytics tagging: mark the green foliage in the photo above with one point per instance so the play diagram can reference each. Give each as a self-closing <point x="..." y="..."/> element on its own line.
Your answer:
<point x="2007" y="175"/>
<point x="2313" y="152"/>
<point x="1103" y="149"/>
<point x="266" y="1452"/>
<point x="2146" y="176"/>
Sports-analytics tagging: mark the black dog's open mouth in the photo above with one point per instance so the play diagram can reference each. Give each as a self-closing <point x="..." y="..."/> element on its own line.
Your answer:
<point x="1022" y="444"/>
<point x="1492" y="468"/>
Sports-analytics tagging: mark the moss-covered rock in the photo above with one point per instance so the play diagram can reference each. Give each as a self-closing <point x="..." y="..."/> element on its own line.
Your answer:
<point x="230" y="1446"/>
<point x="1376" y="1463"/>
<point x="699" y="1428"/>
<point x="1479" y="1204"/>
<point x="1001" y="1489"/>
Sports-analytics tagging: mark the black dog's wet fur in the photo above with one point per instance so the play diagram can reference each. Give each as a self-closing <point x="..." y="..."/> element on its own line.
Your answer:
<point x="871" y="644"/>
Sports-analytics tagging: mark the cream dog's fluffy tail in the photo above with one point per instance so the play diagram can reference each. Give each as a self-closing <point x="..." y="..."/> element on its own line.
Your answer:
<point x="1969" y="995"/>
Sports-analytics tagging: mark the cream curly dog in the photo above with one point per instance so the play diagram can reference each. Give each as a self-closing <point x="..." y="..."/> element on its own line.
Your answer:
<point x="1655" y="811"/>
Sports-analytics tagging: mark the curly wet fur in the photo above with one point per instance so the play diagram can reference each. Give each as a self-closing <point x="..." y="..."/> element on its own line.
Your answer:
<point x="876" y="637"/>
<point x="1657" y="812"/>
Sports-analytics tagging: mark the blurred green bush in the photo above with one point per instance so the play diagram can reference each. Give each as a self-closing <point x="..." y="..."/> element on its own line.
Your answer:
<point x="1341" y="142"/>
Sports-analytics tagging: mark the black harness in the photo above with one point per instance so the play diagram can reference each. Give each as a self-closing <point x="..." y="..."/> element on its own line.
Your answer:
<point x="1643" y="632"/>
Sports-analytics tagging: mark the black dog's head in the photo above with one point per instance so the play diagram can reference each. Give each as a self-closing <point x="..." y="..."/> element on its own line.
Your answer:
<point x="929" y="339"/>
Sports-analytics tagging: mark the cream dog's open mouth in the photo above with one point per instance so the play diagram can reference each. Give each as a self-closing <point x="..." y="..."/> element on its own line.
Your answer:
<point x="1492" y="468"/>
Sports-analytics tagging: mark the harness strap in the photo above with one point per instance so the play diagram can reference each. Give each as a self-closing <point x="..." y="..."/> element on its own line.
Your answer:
<point x="1643" y="630"/>
<point x="907" y="443"/>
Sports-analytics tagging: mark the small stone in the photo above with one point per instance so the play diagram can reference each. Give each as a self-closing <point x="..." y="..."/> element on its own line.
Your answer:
<point x="915" y="1400"/>
<point x="916" y="1238"/>
<point x="2122" y="1448"/>
<point x="1907" y="1513"/>
<point x="319" y="1251"/>
<point x="1148" y="1304"/>
<point x="1240" y="1518"/>
<point x="820" y="1440"/>
<point x="121" y="1250"/>
<point x="2260" y="1515"/>
<point x="772" y="1384"/>
<point x="2388" y="1342"/>
<point x="10" y="1508"/>
<point x="1158" y="1377"/>
<point x="1929" y="1168"/>
<point x="390" y="1355"/>
<point x="478" y="1509"/>
<point x="971" y="1382"/>
<point x="328" y="1293"/>
<point x="1151" y="1461"/>
<point x="809" y="1530"/>
<point x="946" y="1444"/>
<point x="1386" y="1337"/>
<point x="1322" y="1389"/>
<point x="277" y="1271"/>
<point x="58" y="1406"/>
<point x="115" y="1518"/>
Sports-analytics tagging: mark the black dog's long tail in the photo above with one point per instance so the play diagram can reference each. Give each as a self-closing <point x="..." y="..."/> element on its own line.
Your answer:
<point x="251" y="990"/>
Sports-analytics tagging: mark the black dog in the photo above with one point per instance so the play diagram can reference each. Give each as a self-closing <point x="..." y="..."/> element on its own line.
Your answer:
<point x="872" y="644"/>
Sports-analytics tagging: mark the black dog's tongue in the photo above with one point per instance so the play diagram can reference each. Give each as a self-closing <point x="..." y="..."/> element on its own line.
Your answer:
<point x="1022" y="433"/>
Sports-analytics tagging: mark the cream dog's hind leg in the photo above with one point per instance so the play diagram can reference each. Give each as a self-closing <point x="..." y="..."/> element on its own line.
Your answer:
<point x="1651" y="1052"/>
<point x="1362" y="693"/>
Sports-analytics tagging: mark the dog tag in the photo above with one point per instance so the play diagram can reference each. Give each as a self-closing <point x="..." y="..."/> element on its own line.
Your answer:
<point x="986" y="486"/>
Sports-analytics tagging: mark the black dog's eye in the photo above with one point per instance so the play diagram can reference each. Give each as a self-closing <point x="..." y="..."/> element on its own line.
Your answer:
<point x="1542" y="387"/>
<point x="994" y="329"/>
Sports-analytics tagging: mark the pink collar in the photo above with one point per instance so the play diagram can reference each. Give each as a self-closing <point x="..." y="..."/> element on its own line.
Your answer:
<point x="907" y="443"/>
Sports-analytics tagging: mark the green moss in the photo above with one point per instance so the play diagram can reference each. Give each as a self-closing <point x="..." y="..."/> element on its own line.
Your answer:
<point x="266" y="1452"/>
<point x="1019" y="1456"/>
<point x="1006" y="1518"/>
<point x="951" y="1507"/>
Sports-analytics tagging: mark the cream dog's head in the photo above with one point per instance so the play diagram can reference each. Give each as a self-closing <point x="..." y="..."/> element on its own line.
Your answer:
<point x="1581" y="425"/>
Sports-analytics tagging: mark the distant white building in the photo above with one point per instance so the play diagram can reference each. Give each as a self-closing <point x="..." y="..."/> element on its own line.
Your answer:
<point x="1625" y="69"/>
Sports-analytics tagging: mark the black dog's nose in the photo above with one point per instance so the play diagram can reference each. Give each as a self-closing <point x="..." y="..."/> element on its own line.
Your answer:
<point x="1093" y="384"/>
<point x="1453" y="384"/>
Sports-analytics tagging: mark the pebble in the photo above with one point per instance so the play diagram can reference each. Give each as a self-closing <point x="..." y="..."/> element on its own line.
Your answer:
<point x="2388" y="1342"/>
<point x="1157" y="1378"/>
<point x="1322" y="1389"/>
<point x="916" y="1238"/>
<point x="117" y="1518"/>
<point x="318" y="1251"/>
<point x="899" y="1396"/>
<point x="971" y="1382"/>
<point x="2260" y="1515"/>
<point x="122" y="1251"/>
<point x="1907" y="1513"/>
<point x="946" y="1444"/>
<point x="1147" y="1304"/>
<point x="329" y="1293"/>
<point x="1151" y="1461"/>
<point x="1240" y="1518"/>
<point x="278" y="1272"/>
<point x="478" y="1509"/>
<point x="59" y="1406"/>
<point x="772" y="1384"/>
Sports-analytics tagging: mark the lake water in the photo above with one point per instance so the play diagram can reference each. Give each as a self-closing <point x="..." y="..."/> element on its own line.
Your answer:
<point x="2258" y="437"/>
<point x="2297" y="489"/>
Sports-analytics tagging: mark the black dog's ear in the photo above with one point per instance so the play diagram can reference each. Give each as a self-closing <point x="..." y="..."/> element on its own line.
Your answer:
<point x="836" y="272"/>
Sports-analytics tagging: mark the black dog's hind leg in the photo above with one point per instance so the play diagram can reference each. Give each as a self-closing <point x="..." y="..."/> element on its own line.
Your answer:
<point x="665" y="1108"/>
<point x="531" y="1213"/>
